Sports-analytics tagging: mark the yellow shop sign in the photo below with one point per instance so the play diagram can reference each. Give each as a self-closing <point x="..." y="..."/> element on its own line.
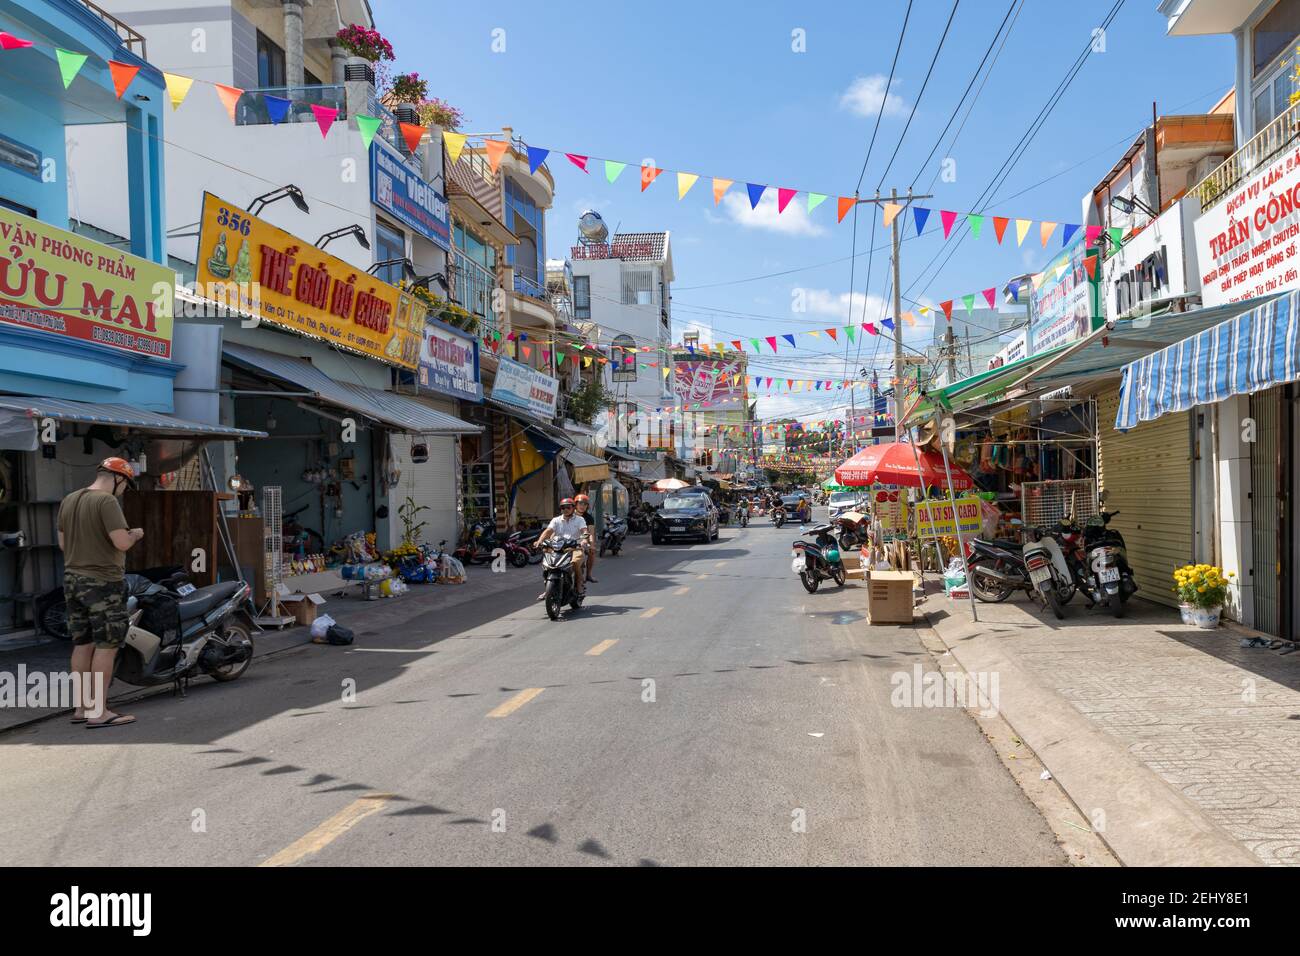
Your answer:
<point x="248" y="264"/>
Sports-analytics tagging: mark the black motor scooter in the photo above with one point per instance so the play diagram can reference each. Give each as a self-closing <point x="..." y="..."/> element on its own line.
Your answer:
<point x="558" y="572"/>
<point x="612" y="538"/>
<point x="819" y="561"/>
<point x="997" y="569"/>
<point x="1106" y="576"/>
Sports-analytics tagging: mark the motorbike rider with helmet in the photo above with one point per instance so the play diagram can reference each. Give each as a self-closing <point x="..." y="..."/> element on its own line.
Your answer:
<point x="567" y="524"/>
<point x="582" y="505"/>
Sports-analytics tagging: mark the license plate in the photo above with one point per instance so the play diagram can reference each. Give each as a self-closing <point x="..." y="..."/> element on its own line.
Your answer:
<point x="1040" y="575"/>
<point x="185" y="589"/>
<point x="1108" y="575"/>
<point x="796" y="565"/>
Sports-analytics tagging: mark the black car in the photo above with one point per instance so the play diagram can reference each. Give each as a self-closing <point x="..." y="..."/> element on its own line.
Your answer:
<point x="685" y="516"/>
<point x="791" y="503"/>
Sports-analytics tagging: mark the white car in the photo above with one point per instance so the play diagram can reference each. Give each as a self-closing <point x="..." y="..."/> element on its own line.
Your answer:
<point x="842" y="501"/>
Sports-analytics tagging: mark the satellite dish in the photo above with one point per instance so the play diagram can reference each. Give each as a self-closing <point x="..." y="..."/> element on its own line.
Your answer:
<point x="592" y="226"/>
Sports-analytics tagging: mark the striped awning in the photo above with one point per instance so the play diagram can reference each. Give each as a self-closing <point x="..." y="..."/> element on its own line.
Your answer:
<point x="1252" y="351"/>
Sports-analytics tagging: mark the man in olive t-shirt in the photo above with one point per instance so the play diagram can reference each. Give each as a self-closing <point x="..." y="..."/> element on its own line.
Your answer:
<point x="94" y="538"/>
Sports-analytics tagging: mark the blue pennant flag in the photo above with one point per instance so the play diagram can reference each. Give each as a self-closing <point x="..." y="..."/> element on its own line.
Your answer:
<point x="921" y="214"/>
<point x="755" y="194"/>
<point x="1067" y="230"/>
<point x="1014" y="286"/>
<point x="888" y="323"/>
<point x="277" y="107"/>
<point x="536" y="156"/>
<point x="789" y="338"/>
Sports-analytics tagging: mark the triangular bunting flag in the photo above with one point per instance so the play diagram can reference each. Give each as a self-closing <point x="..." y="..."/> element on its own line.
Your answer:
<point x="1022" y="229"/>
<point x="684" y="183"/>
<point x="1116" y="234"/>
<point x="756" y="191"/>
<point x="736" y="343"/>
<point x="999" y="227"/>
<point x="613" y="169"/>
<point x="648" y="175"/>
<point x="891" y="209"/>
<point x="815" y="200"/>
<point x="536" y="156"/>
<point x="920" y="214"/>
<point x="367" y="126"/>
<point x="1091" y="234"/>
<point x="947" y="309"/>
<point x="277" y="108"/>
<point x="10" y="42"/>
<point x="909" y="318"/>
<point x="579" y="161"/>
<point x="178" y="87"/>
<point x="1045" y="230"/>
<point x="496" y="151"/>
<point x="771" y="340"/>
<point x="989" y="295"/>
<point x="947" y="217"/>
<point x="889" y="324"/>
<point x="976" y="224"/>
<point x="783" y="197"/>
<point x="814" y="331"/>
<point x="720" y="186"/>
<point x="845" y="204"/>
<point x="325" y="116"/>
<point x="832" y="333"/>
<point x="229" y="96"/>
<point x="1014" y="286"/>
<point x="1090" y="264"/>
<point x="455" y="143"/>
<point x="70" y="65"/>
<point x="969" y="302"/>
<point x="124" y="73"/>
<point x="1067" y="232"/>
<point x="754" y="342"/>
<point x="789" y="338"/>
<point x="850" y="330"/>
<point x="871" y="327"/>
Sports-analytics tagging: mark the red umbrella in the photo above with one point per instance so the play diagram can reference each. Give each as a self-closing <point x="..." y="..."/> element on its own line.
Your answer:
<point x="895" y="464"/>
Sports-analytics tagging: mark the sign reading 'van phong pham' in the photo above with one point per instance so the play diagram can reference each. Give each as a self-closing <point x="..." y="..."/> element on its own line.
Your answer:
<point x="56" y="281"/>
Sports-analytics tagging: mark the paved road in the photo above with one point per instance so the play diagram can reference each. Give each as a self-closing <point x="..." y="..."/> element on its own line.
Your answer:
<point x="697" y="711"/>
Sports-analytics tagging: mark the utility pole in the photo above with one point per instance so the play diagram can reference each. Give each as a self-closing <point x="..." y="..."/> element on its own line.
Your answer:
<point x="950" y="350"/>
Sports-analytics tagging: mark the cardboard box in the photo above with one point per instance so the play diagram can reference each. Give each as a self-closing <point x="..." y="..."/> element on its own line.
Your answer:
<point x="303" y="607"/>
<point x="889" y="597"/>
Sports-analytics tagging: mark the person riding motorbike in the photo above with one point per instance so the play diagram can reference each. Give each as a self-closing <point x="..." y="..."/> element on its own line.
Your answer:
<point x="803" y="511"/>
<point x="567" y="524"/>
<point x="742" y="511"/>
<point x="582" y="504"/>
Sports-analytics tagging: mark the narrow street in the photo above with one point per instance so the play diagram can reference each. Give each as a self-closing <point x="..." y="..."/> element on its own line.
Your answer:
<point x="697" y="709"/>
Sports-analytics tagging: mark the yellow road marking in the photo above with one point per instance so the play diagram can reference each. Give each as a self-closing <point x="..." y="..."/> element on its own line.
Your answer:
<point x="330" y="830"/>
<point x="702" y="577"/>
<point x="681" y="591"/>
<point x="651" y="611"/>
<point x="721" y="564"/>
<point x="602" y="647"/>
<point x="514" y="703"/>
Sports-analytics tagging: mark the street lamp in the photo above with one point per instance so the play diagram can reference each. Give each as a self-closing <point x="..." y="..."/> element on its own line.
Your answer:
<point x="353" y="230"/>
<point x="423" y="281"/>
<point x="292" y="191"/>
<point x="1126" y="205"/>
<point x="408" y="268"/>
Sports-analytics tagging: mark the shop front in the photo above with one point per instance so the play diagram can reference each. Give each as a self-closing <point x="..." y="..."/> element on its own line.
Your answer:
<point x="528" y="397"/>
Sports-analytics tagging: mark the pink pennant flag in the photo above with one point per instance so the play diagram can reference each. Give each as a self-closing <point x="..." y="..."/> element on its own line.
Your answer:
<point x="10" y="42"/>
<point x="783" y="197"/>
<point x="579" y="161"/>
<point x="988" y="296"/>
<point x="324" y="117"/>
<point x="948" y="217"/>
<point x="1092" y="232"/>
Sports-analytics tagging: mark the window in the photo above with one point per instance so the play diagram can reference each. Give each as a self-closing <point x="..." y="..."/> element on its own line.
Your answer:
<point x="621" y="350"/>
<point x="1275" y="33"/>
<point x="390" y="243"/>
<point x="638" y="287"/>
<point x="582" y="297"/>
<point x="1273" y="40"/>
<point x="270" y="62"/>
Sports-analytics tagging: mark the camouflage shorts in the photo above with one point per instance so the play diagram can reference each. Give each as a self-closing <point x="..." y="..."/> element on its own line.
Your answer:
<point x="96" y="610"/>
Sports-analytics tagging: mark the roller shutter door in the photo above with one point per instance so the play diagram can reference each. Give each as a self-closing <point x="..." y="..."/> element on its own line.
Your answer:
<point x="1147" y="475"/>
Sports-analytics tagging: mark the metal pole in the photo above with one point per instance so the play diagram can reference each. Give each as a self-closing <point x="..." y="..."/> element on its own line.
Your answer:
<point x="961" y="540"/>
<point x="899" y="431"/>
<point x="925" y="497"/>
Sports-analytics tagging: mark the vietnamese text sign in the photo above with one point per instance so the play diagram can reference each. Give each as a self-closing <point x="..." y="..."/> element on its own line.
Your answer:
<point x="284" y="281"/>
<point x="56" y="281"/>
<point x="1067" y="305"/>
<point x="402" y="193"/>
<point x="889" y="509"/>
<point x="449" y="362"/>
<point x="525" y="388"/>
<point x="968" y="512"/>
<point x="1246" y="245"/>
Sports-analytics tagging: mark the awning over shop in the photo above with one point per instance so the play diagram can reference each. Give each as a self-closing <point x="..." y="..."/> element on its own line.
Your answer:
<point x="1254" y="350"/>
<point x="19" y="412"/>
<point x="399" y="412"/>
<point x="586" y="467"/>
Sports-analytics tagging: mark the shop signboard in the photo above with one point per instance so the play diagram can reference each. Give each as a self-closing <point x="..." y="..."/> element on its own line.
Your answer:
<point x="263" y="271"/>
<point x="1152" y="265"/>
<point x="889" y="509"/>
<point x="1246" y="244"/>
<point x="525" y="388"/>
<point x="1013" y="351"/>
<point x="449" y="362"/>
<point x="56" y="281"/>
<point x="941" y="513"/>
<point x="401" y="192"/>
<point x="718" y="384"/>
<point x="1066" y="306"/>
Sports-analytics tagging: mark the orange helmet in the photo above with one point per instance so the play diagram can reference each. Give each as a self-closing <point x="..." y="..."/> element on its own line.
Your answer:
<point x="566" y="503"/>
<point x="119" y="466"/>
<point x="578" y="499"/>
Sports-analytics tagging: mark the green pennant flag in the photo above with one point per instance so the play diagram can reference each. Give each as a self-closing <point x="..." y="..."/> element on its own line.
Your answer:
<point x="368" y="125"/>
<point x="559" y="357"/>
<point x="755" y="344"/>
<point x="969" y="302"/>
<point x="815" y="200"/>
<point x="976" y="223"/>
<point x="613" y="169"/>
<point x="69" y="65"/>
<point x="852" y="332"/>
<point x="1116" y="235"/>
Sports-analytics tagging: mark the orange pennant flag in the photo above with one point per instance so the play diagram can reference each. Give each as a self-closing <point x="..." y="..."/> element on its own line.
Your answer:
<point x="412" y="134"/>
<point x="845" y="204"/>
<point x="648" y="175"/>
<point x="496" y="148"/>
<point x="229" y="96"/>
<point x="1045" y="230"/>
<point x="1090" y="263"/>
<point x="720" y="186"/>
<point x="832" y="333"/>
<point x="123" y="74"/>
<point x="909" y="318"/>
<point x="1000" y="226"/>
<point x="892" y="209"/>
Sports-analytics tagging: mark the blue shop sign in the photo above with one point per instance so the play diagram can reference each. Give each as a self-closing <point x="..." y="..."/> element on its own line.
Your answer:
<point x="403" y="194"/>
<point x="449" y="362"/>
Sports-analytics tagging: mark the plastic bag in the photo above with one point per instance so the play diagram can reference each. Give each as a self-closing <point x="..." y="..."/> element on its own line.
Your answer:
<point x="320" y="626"/>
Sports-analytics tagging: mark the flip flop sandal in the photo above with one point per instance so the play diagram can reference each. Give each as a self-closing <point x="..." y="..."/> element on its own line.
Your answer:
<point x="79" y="720"/>
<point x="116" y="721"/>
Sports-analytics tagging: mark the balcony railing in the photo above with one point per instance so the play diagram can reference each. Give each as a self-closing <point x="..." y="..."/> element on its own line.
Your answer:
<point x="389" y="129"/>
<point x="251" y="109"/>
<point x="471" y="289"/>
<point x="530" y="287"/>
<point x="1264" y="146"/>
<point x="130" y="39"/>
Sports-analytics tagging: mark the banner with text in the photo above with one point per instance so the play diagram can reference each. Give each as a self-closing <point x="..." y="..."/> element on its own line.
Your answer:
<point x="449" y="362"/>
<point x="525" y="388"/>
<point x="1067" y="306"/>
<point x="941" y="513"/>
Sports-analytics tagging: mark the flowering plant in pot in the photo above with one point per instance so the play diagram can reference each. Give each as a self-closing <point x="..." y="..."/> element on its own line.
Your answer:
<point x="1201" y="589"/>
<point x="364" y="43"/>
<point x="440" y="113"/>
<point x="408" y="88"/>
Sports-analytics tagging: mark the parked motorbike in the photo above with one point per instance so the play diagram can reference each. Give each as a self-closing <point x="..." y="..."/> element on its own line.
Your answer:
<point x="479" y="544"/>
<point x="557" y="571"/>
<point x="174" y="637"/>
<point x="1107" y="576"/>
<point x="518" y="548"/>
<point x="997" y="569"/>
<point x="638" y="521"/>
<point x="852" y="534"/>
<point x="1051" y="576"/>
<point x="612" y="538"/>
<point x="819" y="561"/>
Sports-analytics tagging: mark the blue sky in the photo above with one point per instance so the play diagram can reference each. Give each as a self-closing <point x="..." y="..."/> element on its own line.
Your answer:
<point x="719" y="90"/>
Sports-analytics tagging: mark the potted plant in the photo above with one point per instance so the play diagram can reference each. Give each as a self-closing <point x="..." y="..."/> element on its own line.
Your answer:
<point x="405" y="94"/>
<point x="365" y="48"/>
<point x="440" y="113"/>
<point x="1201" y="590"/>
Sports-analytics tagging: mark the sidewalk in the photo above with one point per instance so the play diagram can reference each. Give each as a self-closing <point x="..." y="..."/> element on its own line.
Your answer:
<point x="52" y="656"/>
<point x="1182" y="747"/>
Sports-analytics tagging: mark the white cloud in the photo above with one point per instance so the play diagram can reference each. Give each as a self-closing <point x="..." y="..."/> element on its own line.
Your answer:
<point x="865" y="93"/>
<point x="813" y="302"/>
<point x="793" y="222"/>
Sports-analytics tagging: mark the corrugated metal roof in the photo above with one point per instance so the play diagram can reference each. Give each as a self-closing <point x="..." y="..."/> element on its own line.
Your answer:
<point x="120" y="416"/>
<point x="387" y="408"/>
<point x="620" y="245"/>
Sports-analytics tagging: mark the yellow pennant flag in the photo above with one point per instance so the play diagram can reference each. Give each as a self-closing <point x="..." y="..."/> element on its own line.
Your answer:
<point x="924" y="309"/>
<point x="178" y="87"/>
<point x="1045" y="230"/>
<point x="892" y="209"/>
<point x="814" y="332"/>
<point x="720" y="186"/>
<point x="1022" y="229"/>
<point x="684" y="183"/>
<point x="586" y="361"/>
<point x="665" y="370"/>
<point x="454" y="142"/>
